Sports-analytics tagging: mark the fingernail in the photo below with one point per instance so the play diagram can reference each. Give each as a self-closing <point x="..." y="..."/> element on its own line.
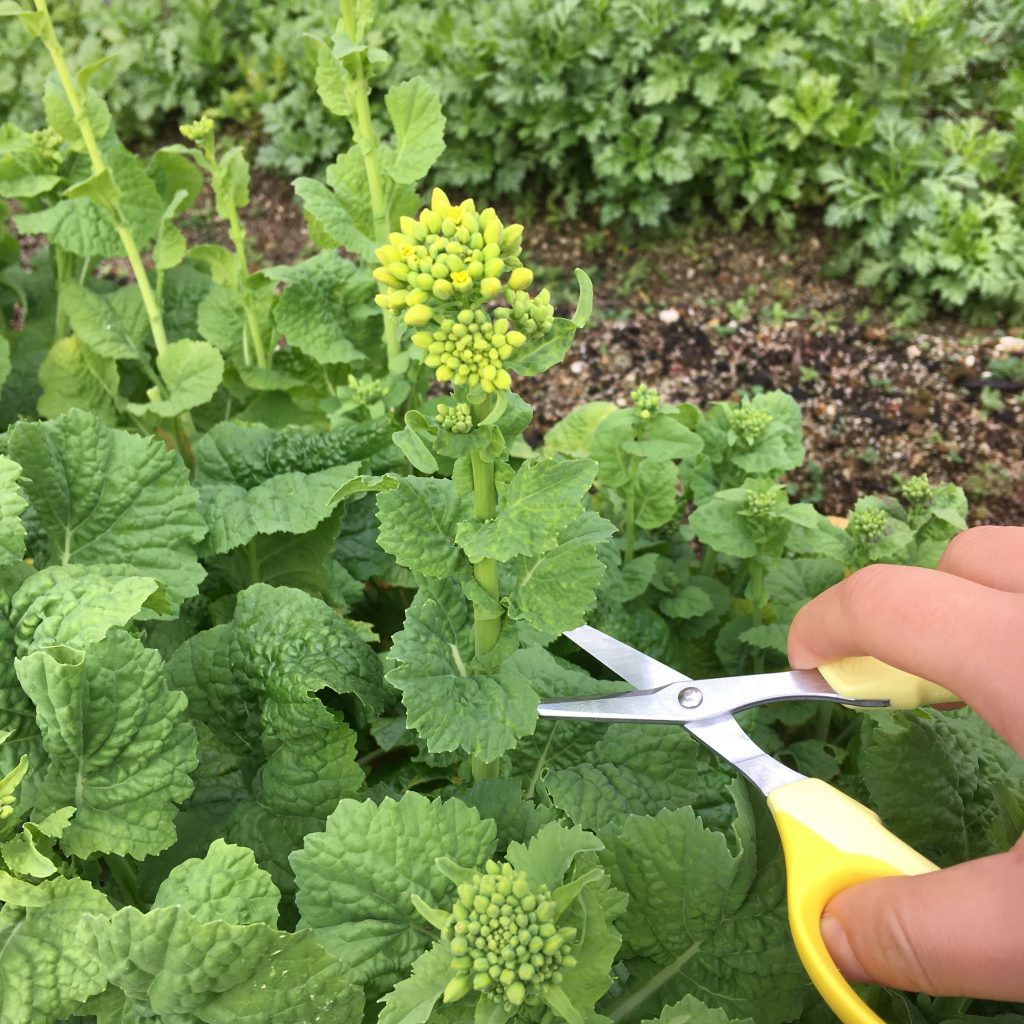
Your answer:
<point x="841" y="951"/>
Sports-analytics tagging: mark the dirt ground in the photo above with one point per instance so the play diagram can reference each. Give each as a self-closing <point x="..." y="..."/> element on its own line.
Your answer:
<point x="705" y="318"/>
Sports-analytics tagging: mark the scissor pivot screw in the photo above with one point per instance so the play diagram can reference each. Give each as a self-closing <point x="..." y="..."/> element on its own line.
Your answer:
<point x="690" y="697"/>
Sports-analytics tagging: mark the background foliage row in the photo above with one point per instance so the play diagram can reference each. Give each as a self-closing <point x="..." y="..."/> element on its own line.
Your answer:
<point x="903" y="119"/>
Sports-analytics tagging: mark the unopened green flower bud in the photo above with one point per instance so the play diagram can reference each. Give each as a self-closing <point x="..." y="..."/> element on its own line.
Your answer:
<point x="520" y="279"/>
<point x="418" y="315"/>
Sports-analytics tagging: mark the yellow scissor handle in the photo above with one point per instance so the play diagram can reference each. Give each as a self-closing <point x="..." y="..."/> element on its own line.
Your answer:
<point x="870" y="679"/>
<point x="832" y="842"/>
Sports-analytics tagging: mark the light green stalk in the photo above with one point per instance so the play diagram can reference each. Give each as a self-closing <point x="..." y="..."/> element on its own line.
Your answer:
<point x="486" y="625"/>
<point x="99" y="165"/>
<point x="369" y="145"/>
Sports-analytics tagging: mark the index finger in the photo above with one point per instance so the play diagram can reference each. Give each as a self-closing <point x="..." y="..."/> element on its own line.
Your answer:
<point x="960" y="634"/>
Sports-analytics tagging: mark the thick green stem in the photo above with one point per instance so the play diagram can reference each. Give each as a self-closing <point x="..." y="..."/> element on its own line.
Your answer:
<point x="630" y="521"/>
<point x="486" y="625"/>
<point x="757" y="598"/>
<point x="369" y="146"/>
<point x="99" y="165"/>
<point x="124" y="875"/>
<point x="237" y="234"/>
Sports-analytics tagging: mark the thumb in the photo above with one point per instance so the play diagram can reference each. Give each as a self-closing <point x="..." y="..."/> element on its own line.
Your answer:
<point x="956" y="932"/>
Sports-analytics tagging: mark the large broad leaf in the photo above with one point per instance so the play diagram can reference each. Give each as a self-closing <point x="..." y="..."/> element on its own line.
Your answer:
<point x="119" y="746"/>
<point x="415" y="110"/>
<point x="209" y="951"/>
<point x="326" y="310"/>
<point x="356" y="879"/>
<point x="705" y="917"/>
<point x="692" y="1011"/>
<point x="46" y="973"/>
<point x="636" y="769"/>
<point x="12" y="504"/>
<point x="105" y="496"/>
<point x="542" y="496"/>
<point x="74" y="605"/>
<point x="417" y="524"/>
<point x="451" y="704"/>
<point x="252" y="686"/>
<point x="112" y="324"/>
<point x="190" y="372"/>
<point x="72" y="376"/>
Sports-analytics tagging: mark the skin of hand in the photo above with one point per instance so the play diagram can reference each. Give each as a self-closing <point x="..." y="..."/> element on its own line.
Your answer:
<point x="959" y="931"/>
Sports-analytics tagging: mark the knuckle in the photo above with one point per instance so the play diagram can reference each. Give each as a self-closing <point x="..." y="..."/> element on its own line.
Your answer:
<point x="901" y="950"/>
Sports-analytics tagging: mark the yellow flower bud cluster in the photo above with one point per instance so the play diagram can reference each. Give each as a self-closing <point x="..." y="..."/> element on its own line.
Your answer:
<point x="470" y="348"/>
<point x="456" y="418"/>
<point x="441" y="270"/>
<point x="199" y="130"/>
<point x="504" y="939"/>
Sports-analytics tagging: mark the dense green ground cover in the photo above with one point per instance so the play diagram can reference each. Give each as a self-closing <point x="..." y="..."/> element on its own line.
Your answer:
<point x="281" y="584"/>
<point x="903" y="121"/>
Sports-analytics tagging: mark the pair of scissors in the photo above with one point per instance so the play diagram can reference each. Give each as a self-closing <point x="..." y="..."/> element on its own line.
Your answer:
<point x="829" y="840"/>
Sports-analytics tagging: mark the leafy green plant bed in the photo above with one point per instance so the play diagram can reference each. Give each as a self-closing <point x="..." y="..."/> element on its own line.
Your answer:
<point x="282" y="584"/>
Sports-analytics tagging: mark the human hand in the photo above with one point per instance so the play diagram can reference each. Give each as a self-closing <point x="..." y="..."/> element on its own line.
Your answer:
<point x="959" y="931"/>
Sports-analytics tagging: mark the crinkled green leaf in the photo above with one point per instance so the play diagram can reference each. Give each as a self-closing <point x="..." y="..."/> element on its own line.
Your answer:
<point x="550" y="853"/>
<point x="61" y="118"/>
<point x="418" y="519"/>
<point x="46" y="973"/>
<point x="225" y="885"/>
<point x="327" y="309"/>
<point x="554" y="590"/>
<point x="105" y="496"/>
<point x="450" y="705"/>
<point x="220" y="972"/>
<point x="542" y="496"/>
<point x="637" y="769"/>
<point x="931" y="775"/>
<point x="572" y="434"/>
<point x="288" y="503"/>
<point x="415" y="111"/>
<point x="191" y="372"/>
<point x="655" y="488"/>
<point x="12" y="504"/>
<point x="72" y="376"/>
<point x="75" y="605"/>
<point x="76" y="225"/>
<point x="119" y="746"/>
<point x="705" y="917"/>
<point x="356" y="878"/>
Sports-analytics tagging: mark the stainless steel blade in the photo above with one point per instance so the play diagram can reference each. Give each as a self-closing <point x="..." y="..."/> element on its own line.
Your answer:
<point x="637" y="668"/>
<point x="725" y="737"/>
<point x="685" y="700"/>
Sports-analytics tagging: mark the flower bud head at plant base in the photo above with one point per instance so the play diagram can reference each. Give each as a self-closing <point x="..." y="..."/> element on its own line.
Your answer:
<point x="750" y="423"/>
<point x="917" y="490"/>
<point x="646" y="399"/>
<point x="867" y="524"/>
<point x="441" y="272"/>
<point x="504" y="939"/>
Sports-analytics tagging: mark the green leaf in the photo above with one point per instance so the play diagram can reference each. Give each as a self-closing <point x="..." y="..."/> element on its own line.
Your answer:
<point x="12" y="504"/>
<point x="113" y="325"/>
<point x="73" y="606"/>
<point x="550" y="853"/>
<point x="105" y="496"/>
<point x="230" y="182"/>
<point x="73" y="376"/>
<point x="100" y="188"/>
<point x="331" y="82"/>
<point x="224" y="885"/>
<point x="554" y="590"/>
<point x="417" y="525"/>
<point x="543" y="494"/>
<point x="355" y="879"/>
<point x="326" y="310"/>
<point x="692" y="1011"/>
<point x="415" y="110"/>
<point x="119" y="747"/>
<point x="61" y="118"/>
<point x="76" y="225"/>
<point x="449" y="704"/>
<point x="707" y="917"/>
<point x="931" y="776"/>
<point x="331" y="224"/>
<point x="45" y="972"/>
<point x="585" y="305"/>
<point x="191" y="372"/>
<point x="655" y="487"/>
<point x="544" y="351"/>
<point x="413" y="999"/>
<point x="288" y="503"/>
<point x="185" y="968"/>
<point x="641" y="769"/>
<point x="572" y="434"/>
